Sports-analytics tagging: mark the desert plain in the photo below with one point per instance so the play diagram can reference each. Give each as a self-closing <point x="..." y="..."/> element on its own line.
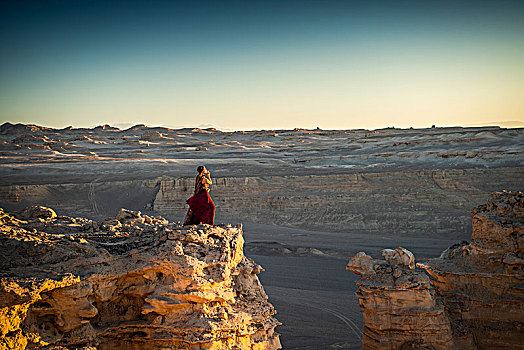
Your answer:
<point x="308" y="199"/>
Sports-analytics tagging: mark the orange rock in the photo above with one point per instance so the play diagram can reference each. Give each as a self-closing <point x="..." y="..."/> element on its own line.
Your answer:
<point x="472" y="298"/>
<point x="154" y="285"/>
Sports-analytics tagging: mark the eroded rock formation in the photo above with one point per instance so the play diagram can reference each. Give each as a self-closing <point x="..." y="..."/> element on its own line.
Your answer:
<point x="399" y="305"/>
<point x="434" y="201"/>
<point x="129" y="282"/>
<point x="471" y="297"/>
<point x="481" y="283"/>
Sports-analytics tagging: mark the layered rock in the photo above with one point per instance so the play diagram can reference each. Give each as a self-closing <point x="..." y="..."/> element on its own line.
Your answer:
<point x="431" y="201"/>
<point x="399" y="305"/>
<point x="471" y="297"/>
<point x="132" y="281"/>
<point x="482" y="283"/>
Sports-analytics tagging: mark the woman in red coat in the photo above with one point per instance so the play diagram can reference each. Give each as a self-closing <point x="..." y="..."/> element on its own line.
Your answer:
<point x="201" y="206"/>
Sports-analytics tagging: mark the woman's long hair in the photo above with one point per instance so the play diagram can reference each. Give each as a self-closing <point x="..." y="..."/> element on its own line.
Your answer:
<point x="198" y="179"/>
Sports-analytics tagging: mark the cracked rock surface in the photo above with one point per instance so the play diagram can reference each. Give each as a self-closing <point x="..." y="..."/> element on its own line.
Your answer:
<point x="132" y="281"/>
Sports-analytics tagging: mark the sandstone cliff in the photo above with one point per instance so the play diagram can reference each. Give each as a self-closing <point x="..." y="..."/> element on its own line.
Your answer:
<point x="471" y="297"/>
<point x="431" y="201"/>
<point x="132" y="281"/>
<point x="399" y="304"/>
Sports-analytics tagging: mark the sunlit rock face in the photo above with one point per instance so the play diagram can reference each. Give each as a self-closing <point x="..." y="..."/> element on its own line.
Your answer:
<point x="400" y="308"/>
<point x="471" y="297"/>
<point x="129" y="282"/>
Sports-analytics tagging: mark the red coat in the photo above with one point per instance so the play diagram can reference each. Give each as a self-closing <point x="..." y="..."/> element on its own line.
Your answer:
<point x="202" y="208"/>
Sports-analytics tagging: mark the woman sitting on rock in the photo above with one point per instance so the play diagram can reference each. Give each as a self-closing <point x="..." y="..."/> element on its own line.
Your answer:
<point x="201" y="206"/>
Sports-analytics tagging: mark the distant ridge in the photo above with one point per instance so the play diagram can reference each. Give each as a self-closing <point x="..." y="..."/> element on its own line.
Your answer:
<point x="10" y="128"/>
<point x="507" y="124"/>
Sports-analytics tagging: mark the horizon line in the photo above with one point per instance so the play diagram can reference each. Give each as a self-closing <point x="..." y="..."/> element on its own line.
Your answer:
<point x="128" y="126"/>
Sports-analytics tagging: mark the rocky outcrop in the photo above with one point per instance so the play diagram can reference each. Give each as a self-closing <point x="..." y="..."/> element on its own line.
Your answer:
<point x="471" y="297"/>
<point x="399" y="305"/>
<point x="481" y="283"/>
<point x="128" y="282"/>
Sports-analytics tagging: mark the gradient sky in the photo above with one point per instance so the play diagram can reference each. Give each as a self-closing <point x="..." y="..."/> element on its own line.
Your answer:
<point x="262" y="65"/>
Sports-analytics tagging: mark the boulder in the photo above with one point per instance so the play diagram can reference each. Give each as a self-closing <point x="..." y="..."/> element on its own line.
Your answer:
<point x="399" y="257"/>
<point x="37" y="212"/>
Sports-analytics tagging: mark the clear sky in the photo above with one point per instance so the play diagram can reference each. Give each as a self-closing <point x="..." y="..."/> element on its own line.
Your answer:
<point x="262" y="64"/>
